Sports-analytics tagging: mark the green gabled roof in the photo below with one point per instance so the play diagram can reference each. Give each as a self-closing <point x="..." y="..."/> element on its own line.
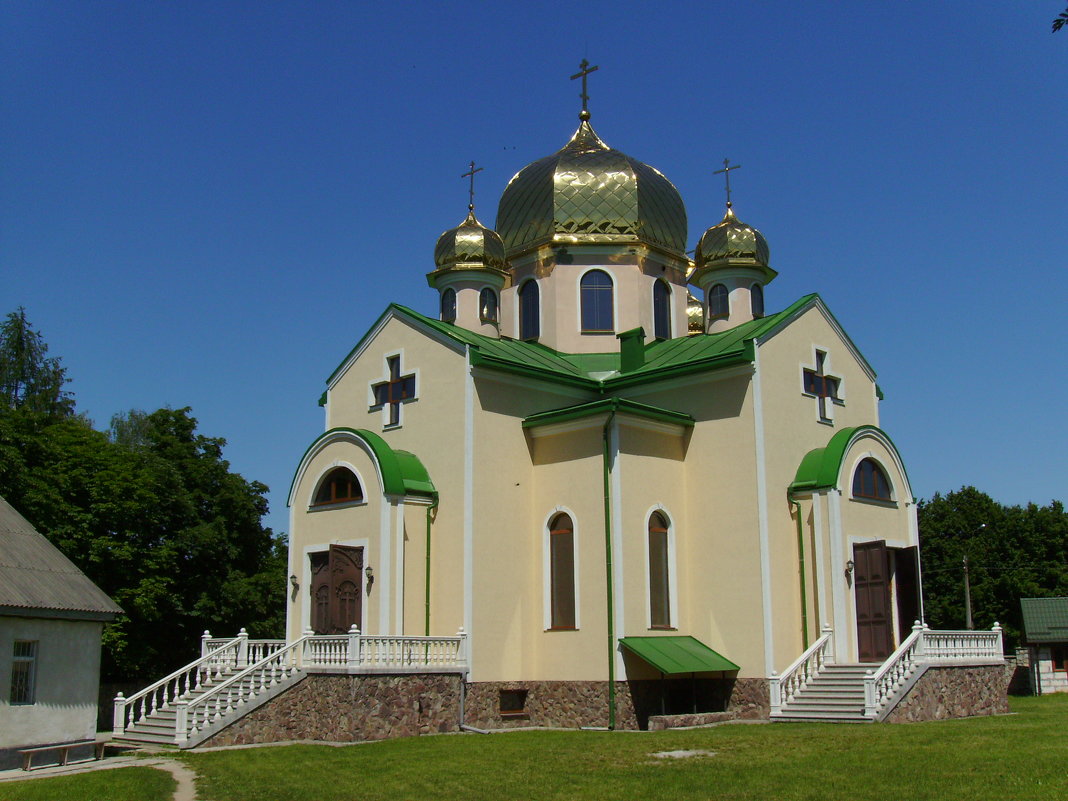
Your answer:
<point x="1045" y="619"/>
<point x="820" y="466"/>
<point x="677" y="654"/>
<point x="621" y="405"/>
<point x="662" y="358"/>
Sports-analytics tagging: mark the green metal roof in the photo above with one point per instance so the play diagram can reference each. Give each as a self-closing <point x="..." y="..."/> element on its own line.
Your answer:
<point x="621" y="405"/>
<point x="1045" y="619"/>
<point x="820" y="467"/>
<point x="662" y="358"/>
<point x="402" y="472"/>
<point x="677" y="654"/>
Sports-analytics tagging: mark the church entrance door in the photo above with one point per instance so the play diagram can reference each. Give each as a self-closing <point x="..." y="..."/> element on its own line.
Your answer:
<point x="337" y="575"/>
<point x="871" y="585"/>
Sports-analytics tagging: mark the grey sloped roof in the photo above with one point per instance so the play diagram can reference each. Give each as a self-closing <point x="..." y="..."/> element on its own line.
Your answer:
<point x="1045" y="619"/>
<point x="36" y="580"/>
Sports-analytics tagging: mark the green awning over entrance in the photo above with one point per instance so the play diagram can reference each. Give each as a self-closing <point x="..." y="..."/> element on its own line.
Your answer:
<point x="677" y="654"/>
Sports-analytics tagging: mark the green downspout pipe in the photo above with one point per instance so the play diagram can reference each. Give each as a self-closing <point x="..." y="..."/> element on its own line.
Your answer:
<point x="608" y="576"/>
<point x="801" y="560"/>
<point x="429" y="511"/>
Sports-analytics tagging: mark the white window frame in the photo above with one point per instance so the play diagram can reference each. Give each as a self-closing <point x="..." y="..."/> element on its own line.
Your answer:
<point x="615" y="301"/>
<point x="673" y="589"/>
<point x="547" y="573"/>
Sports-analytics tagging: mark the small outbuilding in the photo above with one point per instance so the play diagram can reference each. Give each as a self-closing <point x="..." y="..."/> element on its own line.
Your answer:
<point x="51" y="617"/>
<point x="1046" y="634"/>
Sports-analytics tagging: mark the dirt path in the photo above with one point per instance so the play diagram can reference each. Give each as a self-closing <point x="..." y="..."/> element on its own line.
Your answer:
<point x="185" y="791"/>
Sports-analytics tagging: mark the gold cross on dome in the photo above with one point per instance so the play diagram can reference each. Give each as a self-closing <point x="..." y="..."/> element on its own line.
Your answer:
<point x="471" y="174"/>
<point x="584" y="70"/>
<point x="727" y="167"/>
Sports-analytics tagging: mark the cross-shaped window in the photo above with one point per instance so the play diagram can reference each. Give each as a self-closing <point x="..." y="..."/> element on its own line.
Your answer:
<point x="394" y="391"/>
<point x="823" y="386"/>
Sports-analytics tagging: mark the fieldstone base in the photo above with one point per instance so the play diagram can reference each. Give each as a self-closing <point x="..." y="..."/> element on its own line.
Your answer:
<point x="953" y="692"/>
<point x="574" y="704"/>
<point x="341" y="708"/>
<point x="661" y="722"/>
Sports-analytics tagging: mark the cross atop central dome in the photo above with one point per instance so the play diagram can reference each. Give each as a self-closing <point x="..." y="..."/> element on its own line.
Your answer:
<point x="590" y="193"/>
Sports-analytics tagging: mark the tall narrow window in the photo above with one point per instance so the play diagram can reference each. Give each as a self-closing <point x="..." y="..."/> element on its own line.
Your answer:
<point x="448" y="305"/>
<point x="659" y="579"/>
<point x="487" y="305"/>
<point x="869" y="481"/>
<point x="596" y="290"/>
<point x="718" y="302"/>
<point x="339" y="486"/>
<point x="661" y="310"/>
<point x="24" y="672"/>
<point x="529" y="311"/>
<point x="394" y="391"/>
<point x="562" y="572"/>
<point x="756" y="298"/>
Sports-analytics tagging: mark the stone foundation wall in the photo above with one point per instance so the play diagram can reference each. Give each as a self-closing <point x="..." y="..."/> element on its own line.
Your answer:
<point x="350" y="709"/>
<point x="954" y="692"/>
<point x="573" y="704"/>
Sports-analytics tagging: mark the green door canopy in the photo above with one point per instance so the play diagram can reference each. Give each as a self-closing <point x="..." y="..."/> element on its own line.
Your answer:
<point x="677" y="654"/>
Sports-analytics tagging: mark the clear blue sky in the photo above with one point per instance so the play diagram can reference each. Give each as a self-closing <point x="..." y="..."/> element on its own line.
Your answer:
<point x="208" y="203"/>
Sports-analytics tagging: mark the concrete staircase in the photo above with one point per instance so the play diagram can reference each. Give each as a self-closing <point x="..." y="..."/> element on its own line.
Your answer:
<point x="158" y="727"/>
<point x="836" y="694"/>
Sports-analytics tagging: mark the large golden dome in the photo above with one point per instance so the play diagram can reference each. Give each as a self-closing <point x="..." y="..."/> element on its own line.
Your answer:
<point x="587" y="192"/>
<point x="469" y="244"/>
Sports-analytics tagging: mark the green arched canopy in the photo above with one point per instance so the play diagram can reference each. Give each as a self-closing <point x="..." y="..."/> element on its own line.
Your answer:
<point x="821" y="466"/>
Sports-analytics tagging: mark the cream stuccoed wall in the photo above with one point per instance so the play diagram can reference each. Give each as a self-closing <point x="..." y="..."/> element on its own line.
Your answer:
<point x="67" y="682"/>
<point x="791" y="427"/>
<point x="717" y="537"/>
<point x="432" y="427"/>
<point x="634" y="272"/>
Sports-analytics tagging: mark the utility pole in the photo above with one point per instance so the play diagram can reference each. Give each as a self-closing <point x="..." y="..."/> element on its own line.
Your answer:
<point x="967" y="598"/>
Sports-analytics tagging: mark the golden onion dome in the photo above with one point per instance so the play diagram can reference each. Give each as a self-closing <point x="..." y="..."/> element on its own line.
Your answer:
<point x="731" y="239"/>
<point x="695" y="314"/>
<point x="470" y="244"/>
<point x="587" y="192"/>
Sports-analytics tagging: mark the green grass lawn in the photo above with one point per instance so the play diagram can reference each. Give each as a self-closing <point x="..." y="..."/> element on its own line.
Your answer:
<point x="1020" y="756"/>
<point x="121" y="784"/>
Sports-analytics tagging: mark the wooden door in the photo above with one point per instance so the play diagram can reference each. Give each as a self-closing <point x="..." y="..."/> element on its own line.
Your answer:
<point x="871" y="585"/>
<point x="337" y="576"/>
<point x="907" y="588"/>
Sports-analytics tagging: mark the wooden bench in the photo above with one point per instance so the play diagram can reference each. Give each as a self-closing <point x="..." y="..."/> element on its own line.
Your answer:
<point x="63" y="751"/>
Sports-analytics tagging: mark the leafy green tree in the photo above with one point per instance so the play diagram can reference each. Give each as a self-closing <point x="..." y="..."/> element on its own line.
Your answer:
<point x="149" y="510"/>
<point x="1013" y="552"/>
<point x="28" y="377"/>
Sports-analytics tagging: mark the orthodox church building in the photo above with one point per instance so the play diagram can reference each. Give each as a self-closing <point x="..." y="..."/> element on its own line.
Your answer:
<point x="633" y="479"/>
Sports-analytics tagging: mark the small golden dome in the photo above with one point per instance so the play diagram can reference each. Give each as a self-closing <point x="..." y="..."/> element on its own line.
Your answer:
<point x="731" y="239"/>
<point x="587" y="192"/>
<point x="695" y="314"/>
<point x="470" y="244"/>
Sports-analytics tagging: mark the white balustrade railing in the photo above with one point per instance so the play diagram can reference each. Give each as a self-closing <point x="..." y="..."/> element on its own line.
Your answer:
<point x="223" y="699"/>
<point x="879" y="685"/>
<point x="214" y="662"/>
<point x="926" y="647"/>
<point x="962" y="646"/>
<point x="805" y="668"/>
<point x="355" y="650"/>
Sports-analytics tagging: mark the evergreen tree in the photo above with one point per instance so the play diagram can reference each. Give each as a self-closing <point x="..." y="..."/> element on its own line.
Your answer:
<point x="29" y="379"/>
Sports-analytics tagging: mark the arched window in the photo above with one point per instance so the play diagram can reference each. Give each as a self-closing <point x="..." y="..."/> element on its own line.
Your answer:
<point x="529" y="311"/>
<point x="487" y="305"/>
<point x="448" y="305"/>
<point x="562" y="572"/>
<point x="661" y="310"/>
<point x="659" y="578"/>
<point x="339" y="486"/>
<point x="756" y="299"/>
<point x="596" y="291"/>
<point x="718" y="302"/>
<point x="869" y="481"/>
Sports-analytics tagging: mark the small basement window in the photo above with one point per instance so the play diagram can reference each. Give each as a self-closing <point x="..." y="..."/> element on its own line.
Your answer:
<point x="513" y="703"/>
